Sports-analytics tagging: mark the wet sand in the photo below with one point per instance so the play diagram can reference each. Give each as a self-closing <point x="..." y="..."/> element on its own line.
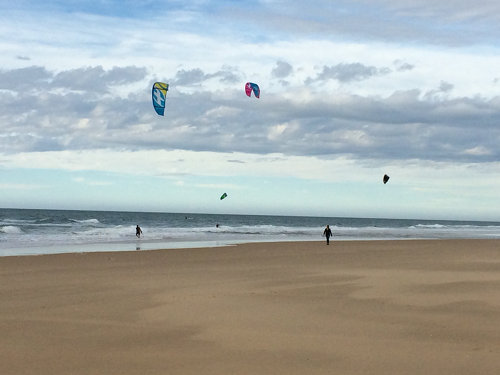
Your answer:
<point x="354" y="307"/>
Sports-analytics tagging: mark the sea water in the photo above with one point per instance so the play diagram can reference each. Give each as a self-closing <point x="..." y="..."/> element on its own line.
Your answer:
<point x="27" y="232"/>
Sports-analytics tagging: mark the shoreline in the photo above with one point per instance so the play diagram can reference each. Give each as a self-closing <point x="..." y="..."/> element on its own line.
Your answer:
<point x="30" y="232"/>
<point x="153" y="245"/>
<point x="353" y="307"/>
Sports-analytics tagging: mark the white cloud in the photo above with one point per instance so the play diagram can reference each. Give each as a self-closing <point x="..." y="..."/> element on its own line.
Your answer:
<point x="85" y="181"/>
<point x="14" y="186"/>
<point x="188" y="163"/>
<point x="478" y="151"/>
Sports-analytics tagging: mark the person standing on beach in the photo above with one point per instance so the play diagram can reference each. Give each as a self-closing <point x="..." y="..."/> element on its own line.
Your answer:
<point x="138" y="231"/>
<point x="327" y="233"/>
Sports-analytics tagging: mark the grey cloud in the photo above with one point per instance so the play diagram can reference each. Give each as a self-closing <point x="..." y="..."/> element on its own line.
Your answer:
<point x="189" y="77"/>
<point x="405" y="125"/>
<point x="197" y="76"/>
<point x="402" y="66"/>
<point x="37" y="115"/>
<point x="125" y="75"/>
<point x="443" y="89"/>
<point x="405" y="67"/>
<point x="282" y="69"/>
<point x="24" y="78"/>
<point x="451" y="10"/>
<point x="349" y="72"/>
<point x="445" y="86"/>
<point x="451" y="23"/>
<point x="229" y="74"/>
<point x="91" y="79"/>
<point x="97" y="78"/>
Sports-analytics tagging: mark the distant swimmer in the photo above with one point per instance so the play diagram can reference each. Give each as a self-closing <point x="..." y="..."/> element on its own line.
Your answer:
<point x="138" y="231"/>
<point x="327" y="233"/>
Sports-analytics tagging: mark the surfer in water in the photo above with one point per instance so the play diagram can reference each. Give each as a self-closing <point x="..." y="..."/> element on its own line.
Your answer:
<point x="138" y="231"/>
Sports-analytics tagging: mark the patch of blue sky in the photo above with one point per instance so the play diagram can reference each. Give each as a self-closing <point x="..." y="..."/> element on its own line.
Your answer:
<point x="124" y="8"/>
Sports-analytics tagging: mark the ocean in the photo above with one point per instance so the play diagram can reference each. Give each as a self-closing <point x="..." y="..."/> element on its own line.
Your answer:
<point x="31" y="232"/>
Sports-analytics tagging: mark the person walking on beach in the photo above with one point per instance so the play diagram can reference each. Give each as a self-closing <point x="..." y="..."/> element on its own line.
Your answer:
<point x="327" y="233"/>
<point x="138" y="231"/>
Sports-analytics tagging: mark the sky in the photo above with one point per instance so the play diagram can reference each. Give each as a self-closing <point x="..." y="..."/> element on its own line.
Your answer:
<point x="350" y="90"/>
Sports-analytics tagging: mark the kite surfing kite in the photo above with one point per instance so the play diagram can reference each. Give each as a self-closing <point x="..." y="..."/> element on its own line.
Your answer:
<point x="159" y="97"/>
<point x="249" y="87"/>
<point x="223" y="196"/>
<point x="386" y="178"/>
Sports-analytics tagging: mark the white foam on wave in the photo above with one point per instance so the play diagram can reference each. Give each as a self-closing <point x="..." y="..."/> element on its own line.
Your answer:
<point x="8" y="221"/>
<point x="86" y="221"/>
<point x="430" y="226"/>
<point x="10" y="229"/>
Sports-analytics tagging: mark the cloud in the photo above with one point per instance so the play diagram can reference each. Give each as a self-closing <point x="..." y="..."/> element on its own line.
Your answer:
<point x="11" y="186"/>
<point x="281" y="70"/>
<point x="452" y="10"/>
<point x="349" y="72"/>
<point x="97" y="78"/>
<point x="219" y="186"/>
<point x="478" y="151"/>
<point x="46" y="111"/>
<point x="37" y="79"/>
<point x="449" y="23"/>
<point x="24" y="79"/>
<point x="402" y="66"/>
<point x="414" y="174"/>
<point x="441" y="92"/>
<point x="197" y="76"/>
<point x="445" y="86"/>
<point x="50" y="107"/>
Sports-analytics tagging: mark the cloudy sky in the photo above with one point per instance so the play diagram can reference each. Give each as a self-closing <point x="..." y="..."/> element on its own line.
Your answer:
<point x="350" y="90"/>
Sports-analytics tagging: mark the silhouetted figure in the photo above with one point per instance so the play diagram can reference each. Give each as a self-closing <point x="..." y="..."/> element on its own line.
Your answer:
<point x="327" y="233"/>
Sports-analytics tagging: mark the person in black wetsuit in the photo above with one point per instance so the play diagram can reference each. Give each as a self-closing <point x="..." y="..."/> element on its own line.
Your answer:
<point x="327" y="233"/>
<point x="138" y="231"/>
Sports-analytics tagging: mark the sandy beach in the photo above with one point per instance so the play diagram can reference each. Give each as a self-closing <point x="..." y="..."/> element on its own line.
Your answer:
<point x="354" y="307"/>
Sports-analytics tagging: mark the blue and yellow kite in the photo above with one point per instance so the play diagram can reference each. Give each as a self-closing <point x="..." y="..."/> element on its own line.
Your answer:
<point x="159" y="97"/>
